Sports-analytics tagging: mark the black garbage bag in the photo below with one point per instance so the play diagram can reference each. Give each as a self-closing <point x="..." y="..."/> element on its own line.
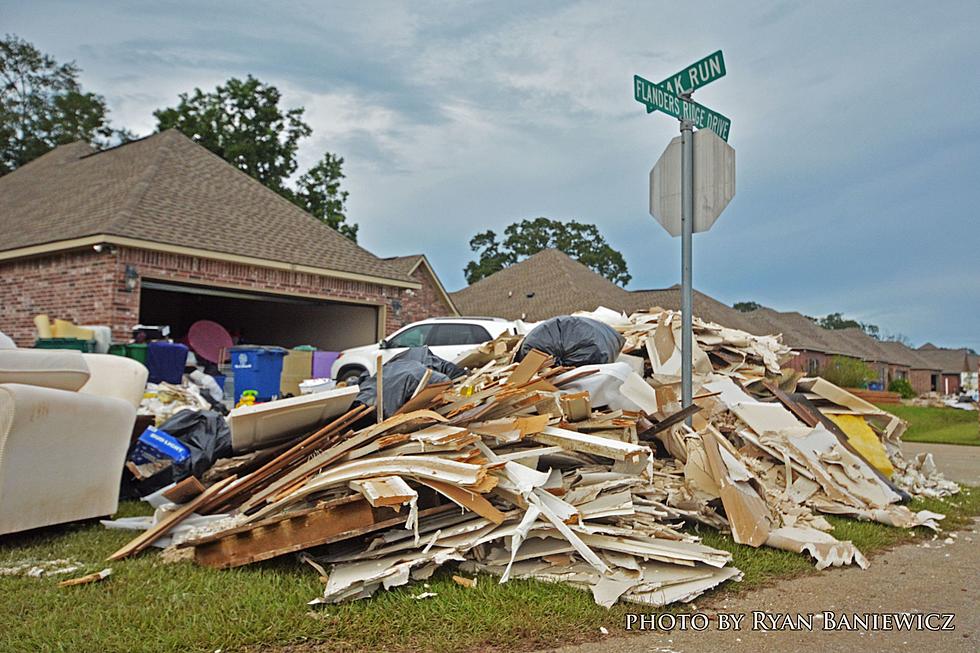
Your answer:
<point x="574" y="341"/>
<point x="425" y="356"/>
<point x="401" y="376"/>
<point x="204" y="432"/>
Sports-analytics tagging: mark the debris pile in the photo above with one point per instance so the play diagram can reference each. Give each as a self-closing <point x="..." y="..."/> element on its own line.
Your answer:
<point x="524" y="468"/>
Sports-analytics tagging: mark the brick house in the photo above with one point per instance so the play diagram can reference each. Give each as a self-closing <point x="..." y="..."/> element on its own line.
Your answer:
<point x="959" y="368"/>
<point x="162" y="231"/>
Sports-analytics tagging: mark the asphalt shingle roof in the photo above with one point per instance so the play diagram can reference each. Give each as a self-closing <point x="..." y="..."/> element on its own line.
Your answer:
<point x="167" y="189"/>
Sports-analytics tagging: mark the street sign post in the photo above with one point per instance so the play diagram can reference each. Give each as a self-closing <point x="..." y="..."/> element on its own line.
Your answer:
<point x="694" y="179"/>
<point x="698" y="74"/>
<point x="658" y="97"/>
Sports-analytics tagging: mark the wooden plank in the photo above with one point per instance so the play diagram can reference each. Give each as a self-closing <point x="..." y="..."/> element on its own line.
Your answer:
<point x="295" y="532"/>
<point x="184" y="491"/>
<point x="161" y="528"/>
<point x="804" y="413"/>
<point x="471" y="500"/>
<point x="528" y="367"/>
<point x="265" y="474"/>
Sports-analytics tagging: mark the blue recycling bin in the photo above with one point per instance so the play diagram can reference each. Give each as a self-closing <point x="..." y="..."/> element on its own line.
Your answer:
<point x="166" y="361"/>
<point x="259" y="369"/>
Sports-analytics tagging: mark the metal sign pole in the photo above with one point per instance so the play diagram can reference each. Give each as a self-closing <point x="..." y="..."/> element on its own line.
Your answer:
<point x="687" y="233"/>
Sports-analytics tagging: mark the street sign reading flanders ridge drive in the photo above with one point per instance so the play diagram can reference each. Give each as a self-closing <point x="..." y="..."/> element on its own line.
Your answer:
<point x="694" y="180"/>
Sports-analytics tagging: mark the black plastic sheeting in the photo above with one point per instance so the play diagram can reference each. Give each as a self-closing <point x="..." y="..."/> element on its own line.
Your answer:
<point x="205" y="433"/>
<point x="574" y="341"/>
<point x="402" y="375"/>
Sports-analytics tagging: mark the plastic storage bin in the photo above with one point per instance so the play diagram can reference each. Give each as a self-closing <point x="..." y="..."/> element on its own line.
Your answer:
<point x="87" y="346"/>
<point x="259" y="369"/>
<point x="166" y="361"/>
<point x="136" y="351"/>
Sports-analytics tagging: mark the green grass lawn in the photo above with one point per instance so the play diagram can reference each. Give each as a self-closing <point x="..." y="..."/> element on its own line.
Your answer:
<point x="941" y="425"/>
<point x="147" y="605"/>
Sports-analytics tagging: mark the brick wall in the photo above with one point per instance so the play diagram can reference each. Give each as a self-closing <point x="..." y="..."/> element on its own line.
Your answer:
<point x="77" y="286"/>
<point x="921" y="381"/>
<point x="808" y="362"/>
<point x="88" y="287"/>
<point x="425" y="303"/>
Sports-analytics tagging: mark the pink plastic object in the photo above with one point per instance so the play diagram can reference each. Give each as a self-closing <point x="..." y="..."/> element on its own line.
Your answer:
<point x="209" y="340"/>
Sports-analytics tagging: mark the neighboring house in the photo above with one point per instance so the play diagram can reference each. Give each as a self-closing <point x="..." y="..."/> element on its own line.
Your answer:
<point x="162" y="231"/>
<point x="431" y="300"/>
<point x="924" y="376"/>
<point x="552" y="283"/>
<point x="959" y="368"/>
<point x="813" y="345"/>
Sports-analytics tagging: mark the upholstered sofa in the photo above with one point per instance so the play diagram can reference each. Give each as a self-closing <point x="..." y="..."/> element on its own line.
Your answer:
<point x="65" y="424"/>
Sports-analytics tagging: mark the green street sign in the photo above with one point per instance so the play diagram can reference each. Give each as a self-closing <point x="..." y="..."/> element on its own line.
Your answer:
<point x="698" y="74"/>
<point x="655" y="96"/>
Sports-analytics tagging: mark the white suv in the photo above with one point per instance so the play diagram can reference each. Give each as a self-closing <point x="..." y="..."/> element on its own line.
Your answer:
<point x="447" y="337"/>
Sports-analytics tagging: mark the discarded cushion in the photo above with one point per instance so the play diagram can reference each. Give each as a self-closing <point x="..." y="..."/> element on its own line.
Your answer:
<point x="574" y="341"/>
<point x="48" y="368"/>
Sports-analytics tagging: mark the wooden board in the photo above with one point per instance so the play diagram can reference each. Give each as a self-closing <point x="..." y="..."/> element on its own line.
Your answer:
<point x="161" y="528"/>
<point x="331" y="522"/>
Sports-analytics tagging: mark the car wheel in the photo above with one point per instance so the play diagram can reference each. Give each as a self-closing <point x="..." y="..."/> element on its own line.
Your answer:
<point x="350" y="375"/>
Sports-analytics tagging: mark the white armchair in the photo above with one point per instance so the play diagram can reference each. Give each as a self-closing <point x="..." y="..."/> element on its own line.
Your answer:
<point x="65" y="426"/>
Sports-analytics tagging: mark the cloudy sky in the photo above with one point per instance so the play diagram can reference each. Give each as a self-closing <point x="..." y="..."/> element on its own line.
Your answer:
<point x="857" y="128"/>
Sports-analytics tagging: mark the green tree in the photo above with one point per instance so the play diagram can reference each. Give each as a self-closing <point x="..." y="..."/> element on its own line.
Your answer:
<point x="848" y="372"/>
<point x="838" y="321"/>
<point x="42" y="106"/>
<point x="746" y="307"/>
<point x="243" y="123"/>
<point x="318" y="192"/>
<point x="582" y="242"/>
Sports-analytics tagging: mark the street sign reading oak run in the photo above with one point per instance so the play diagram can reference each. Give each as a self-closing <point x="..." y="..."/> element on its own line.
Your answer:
<point x="653" y="95"/>
<point x="698" y="74"/>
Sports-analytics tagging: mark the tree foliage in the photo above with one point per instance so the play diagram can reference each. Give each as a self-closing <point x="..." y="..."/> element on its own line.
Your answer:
<point x="848" y="372"/>
<point x="243" y="123"/>
<point x="903" y="387"/>
<point x="746" y="307"/>
<point x="838" y="321"/>
<point x="318" y="192"/>
<point x="580" y="241"/>
<point x="42" y="106"/>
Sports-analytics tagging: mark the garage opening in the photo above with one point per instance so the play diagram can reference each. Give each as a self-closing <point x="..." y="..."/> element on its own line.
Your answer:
<point x="259" y="318"/>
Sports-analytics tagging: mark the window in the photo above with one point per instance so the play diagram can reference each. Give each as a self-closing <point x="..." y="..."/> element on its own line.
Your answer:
<point x="812" y="366"/>
<point x="457" y="334"/>
<point x="413" y="337"/>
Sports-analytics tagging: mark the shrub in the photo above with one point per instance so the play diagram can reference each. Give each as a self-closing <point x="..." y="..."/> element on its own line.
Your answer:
<point x="902" y="387"/>
<point x="848" y="372"/>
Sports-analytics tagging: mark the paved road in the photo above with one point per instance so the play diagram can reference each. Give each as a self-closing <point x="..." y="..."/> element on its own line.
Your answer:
<point x="932" y="577"/>
<point x="959" y="463"/>
<point x="904" y="580"/>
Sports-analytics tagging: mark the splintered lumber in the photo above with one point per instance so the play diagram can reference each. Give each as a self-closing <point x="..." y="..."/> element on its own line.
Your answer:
<point x="591" y="444"/>
<point x="470" y="500"/>
<point x="85" y="580"/>
<point x="329" y="522"/>
<point x="268" y="472"/>
<point x="161" y="528"/>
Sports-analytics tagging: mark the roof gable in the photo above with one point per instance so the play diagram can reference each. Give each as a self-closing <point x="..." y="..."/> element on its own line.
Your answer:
<point x="167" y="189"/>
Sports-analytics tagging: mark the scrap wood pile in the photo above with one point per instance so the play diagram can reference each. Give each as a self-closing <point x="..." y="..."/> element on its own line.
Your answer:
<point x="571" y="463"/>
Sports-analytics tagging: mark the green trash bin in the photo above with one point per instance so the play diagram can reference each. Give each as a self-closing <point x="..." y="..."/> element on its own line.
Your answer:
<point x="117" y="350"/>
<point x="136" y="351"/>
<point x="87" y="346"/>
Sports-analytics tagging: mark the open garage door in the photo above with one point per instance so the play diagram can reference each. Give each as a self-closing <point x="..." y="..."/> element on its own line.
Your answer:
<point x="260" y="318"/>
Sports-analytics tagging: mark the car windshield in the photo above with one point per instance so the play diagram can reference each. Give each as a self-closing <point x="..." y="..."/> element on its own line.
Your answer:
<point x="411" y="337"/>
